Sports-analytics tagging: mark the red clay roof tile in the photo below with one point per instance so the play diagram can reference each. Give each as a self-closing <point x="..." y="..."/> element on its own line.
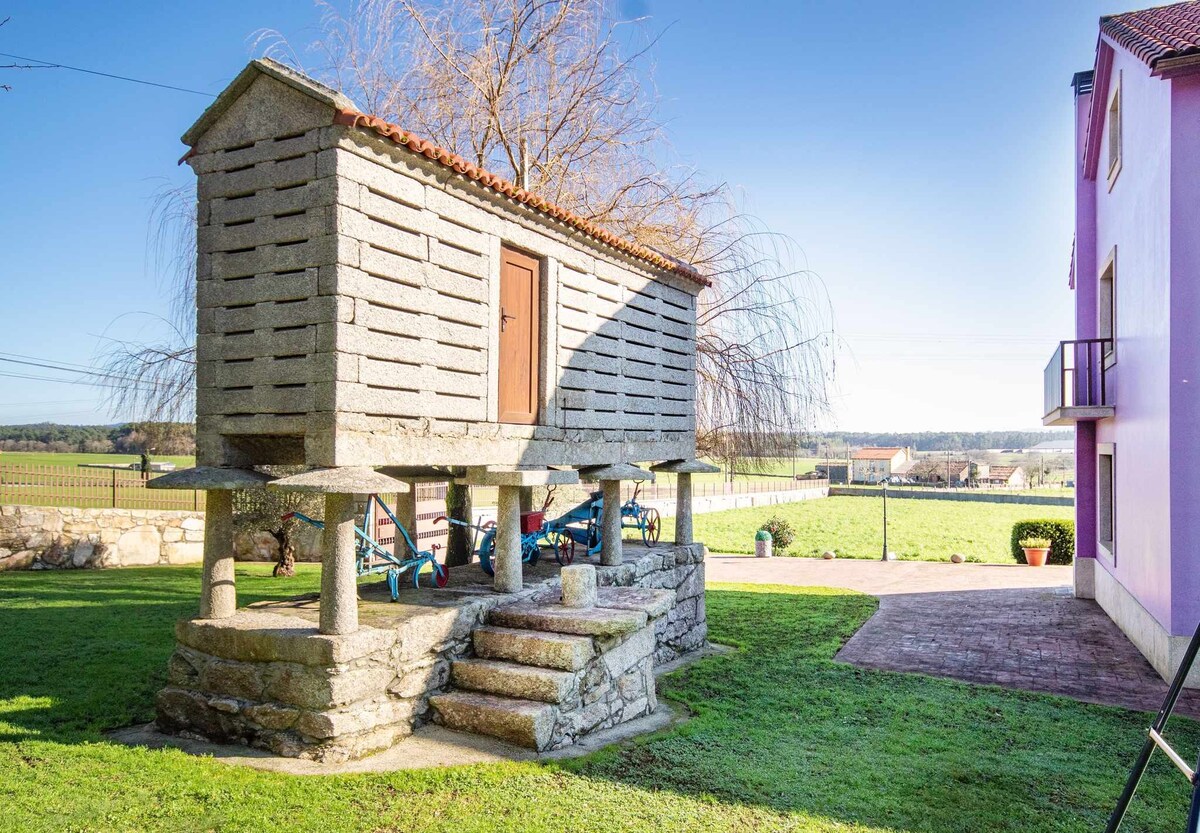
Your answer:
<point x="1157" y="34"/>
<point x="870" y="453"/>
<point x="415" y="144"/>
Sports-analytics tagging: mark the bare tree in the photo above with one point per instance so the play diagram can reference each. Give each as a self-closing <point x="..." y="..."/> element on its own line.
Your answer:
<point x="156" y="380"/>
<point x="550" y="94"/>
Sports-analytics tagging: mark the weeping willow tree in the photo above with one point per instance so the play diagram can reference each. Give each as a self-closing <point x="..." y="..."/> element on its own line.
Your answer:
<point x="556" y="96"/>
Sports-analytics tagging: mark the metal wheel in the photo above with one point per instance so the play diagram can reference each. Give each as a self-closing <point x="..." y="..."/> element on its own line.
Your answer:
<point x="652" y="531"/>
<point x="564" y="549"/>
<point x="441" y="575"/>
<point x="487" y="548"/>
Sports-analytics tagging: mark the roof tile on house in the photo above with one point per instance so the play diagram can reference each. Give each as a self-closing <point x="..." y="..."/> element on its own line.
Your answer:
<point x="397" y="134"/>
<point x="1157" y="34"/>
<point x="1001" y="472"/>
<point x="876" y="453"/>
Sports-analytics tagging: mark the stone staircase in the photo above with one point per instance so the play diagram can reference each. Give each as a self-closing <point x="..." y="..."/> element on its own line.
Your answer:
<point x="545" y="675"/>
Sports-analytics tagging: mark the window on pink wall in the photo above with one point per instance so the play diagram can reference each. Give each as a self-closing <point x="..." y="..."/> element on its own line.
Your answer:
<point x="1114" y="133"/>
<point x="1106" y="307"/>
<point x="1106" y="505"/>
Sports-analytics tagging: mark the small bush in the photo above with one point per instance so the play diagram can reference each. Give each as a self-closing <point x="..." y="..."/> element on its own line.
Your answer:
<point x="1060" y="533"/>
<point x="782" y="534"/>
<point x="1035" y="543"/>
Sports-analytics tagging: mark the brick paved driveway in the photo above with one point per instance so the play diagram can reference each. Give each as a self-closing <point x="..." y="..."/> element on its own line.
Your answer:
<point x="982" y="624"/>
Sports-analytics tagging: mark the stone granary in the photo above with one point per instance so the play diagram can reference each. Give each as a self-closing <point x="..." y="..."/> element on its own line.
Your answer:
<point x="383" y="312"/>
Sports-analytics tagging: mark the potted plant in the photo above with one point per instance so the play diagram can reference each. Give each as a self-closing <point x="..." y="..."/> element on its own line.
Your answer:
<point x="1037" y="550"/>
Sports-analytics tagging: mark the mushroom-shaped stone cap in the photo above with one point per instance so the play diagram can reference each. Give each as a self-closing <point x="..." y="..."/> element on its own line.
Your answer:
<point x="209" y="478"/>
<point x="620" y="471"/>
<point x="346" y="480"/>
<point x="686" y="467"/>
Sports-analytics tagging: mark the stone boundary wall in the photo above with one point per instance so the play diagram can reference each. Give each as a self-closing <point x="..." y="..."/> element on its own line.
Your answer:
<point x="938" y="494"/>
<point x="49" y="537"/>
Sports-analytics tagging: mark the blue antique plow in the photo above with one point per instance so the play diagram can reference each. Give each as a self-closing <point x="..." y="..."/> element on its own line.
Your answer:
<point x="579" y="526"/>
<point x="534" y="532"/>
<point x="372" y="558"/>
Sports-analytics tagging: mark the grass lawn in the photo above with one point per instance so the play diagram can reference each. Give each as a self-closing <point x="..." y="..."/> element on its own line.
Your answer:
<point x="783" y="738"/>
<point x="853" y="527"/>
<point x="47" y="458"/>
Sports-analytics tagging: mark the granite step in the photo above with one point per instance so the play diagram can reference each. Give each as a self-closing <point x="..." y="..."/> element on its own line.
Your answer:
<point x="510" y="679"/>
<point x="522" y="722"/>
<point x="560" y="651"/>
<point x="591" y="621"/>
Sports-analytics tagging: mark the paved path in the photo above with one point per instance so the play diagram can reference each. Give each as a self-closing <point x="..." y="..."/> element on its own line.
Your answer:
<point x="1007" y="625"/>
<point x="881" y="578"/>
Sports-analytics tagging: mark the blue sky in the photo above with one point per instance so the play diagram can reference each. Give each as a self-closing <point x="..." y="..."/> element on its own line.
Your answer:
<point x="919" y="154"/>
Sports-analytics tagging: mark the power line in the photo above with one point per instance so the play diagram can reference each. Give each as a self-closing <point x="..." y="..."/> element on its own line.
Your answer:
<point x="46" y="365"/>
<point x="69" y="381"/>
<point x="53" y="65"/>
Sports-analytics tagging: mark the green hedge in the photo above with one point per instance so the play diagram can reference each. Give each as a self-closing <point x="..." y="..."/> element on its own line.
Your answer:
<point x="1060" y="532"/>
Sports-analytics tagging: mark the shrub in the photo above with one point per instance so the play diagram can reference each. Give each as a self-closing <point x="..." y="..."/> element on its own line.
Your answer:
<point x="782" y="534"/>
<point x="1035" y="543"/>
<point x="1060" y="534"/>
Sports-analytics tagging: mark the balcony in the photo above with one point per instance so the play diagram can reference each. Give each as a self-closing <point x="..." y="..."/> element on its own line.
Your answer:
<point x="1076" y="382"/>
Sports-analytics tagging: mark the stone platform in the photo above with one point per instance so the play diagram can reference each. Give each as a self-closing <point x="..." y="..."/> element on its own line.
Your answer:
<point x="267" y="679"/>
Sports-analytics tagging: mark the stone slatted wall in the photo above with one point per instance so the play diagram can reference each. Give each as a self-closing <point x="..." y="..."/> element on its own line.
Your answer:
<point x="266" y="241"/>
<point x="626" y="349"/>
<point x="419" y="285"/>
<point x="424" y="274"/>
<point x="348" y="306"/>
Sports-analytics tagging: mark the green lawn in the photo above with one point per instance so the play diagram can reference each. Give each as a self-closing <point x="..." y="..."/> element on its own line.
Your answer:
<point x="929" y="530"/>
<point x="783" y="738"/>
<point x="47" y="458"/>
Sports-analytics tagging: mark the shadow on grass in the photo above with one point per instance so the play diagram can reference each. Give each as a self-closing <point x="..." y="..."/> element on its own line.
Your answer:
<point x="780" y="725"/>
<point x="85" y="651"/>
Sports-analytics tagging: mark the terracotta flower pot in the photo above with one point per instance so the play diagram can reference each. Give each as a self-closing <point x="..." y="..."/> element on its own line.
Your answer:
<point x="1036" y="556"/>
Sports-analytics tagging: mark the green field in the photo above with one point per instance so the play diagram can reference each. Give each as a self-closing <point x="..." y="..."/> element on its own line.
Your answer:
<point x="927" y="530"/>
<point x="47" y="458"/>
<point x="782" y="739"/>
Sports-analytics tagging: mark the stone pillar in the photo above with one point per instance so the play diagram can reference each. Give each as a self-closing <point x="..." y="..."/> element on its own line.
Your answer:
<point x="610" y="524"/>
<point x="218" y="595"/>
<point x="578" y="585"/>
<point x="683" y="508"/>
<point x="406" y="513"/>
<point x="507" y="560"/>
<point x="339" y="585"/>
<point x="458" y="539"/>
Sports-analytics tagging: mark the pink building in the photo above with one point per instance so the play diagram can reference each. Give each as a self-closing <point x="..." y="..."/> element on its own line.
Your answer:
<point x="1130" y="381"/>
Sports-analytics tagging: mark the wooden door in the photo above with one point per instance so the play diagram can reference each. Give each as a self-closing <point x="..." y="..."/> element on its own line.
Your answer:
<point x="520" y="337"/>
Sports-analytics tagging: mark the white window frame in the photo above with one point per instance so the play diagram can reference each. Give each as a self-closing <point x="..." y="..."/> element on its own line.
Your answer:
<point x="1106" y="307"/>
<point x="1113" y="120"/>
<point x="1106" y="501"/>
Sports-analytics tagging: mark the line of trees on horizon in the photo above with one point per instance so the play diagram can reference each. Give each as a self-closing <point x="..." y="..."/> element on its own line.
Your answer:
<point x="163" y="438"/>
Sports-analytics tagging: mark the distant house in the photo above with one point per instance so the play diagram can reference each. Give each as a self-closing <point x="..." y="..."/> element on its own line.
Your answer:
<point x="1012" y="477"/>
<point x="874" y="465"/>
<point x="938" y="471"/>
<point x="1053" y="447"/>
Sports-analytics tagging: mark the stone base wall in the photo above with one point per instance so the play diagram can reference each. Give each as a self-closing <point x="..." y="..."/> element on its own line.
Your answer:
<point x="617" y="686"/>
<point x="266" y="678"/>
<point x="685" y="627"/>
<point x="48" y="537"/>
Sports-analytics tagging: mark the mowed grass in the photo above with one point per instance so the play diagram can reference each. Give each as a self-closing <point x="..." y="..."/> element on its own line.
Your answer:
<point x="48" y="458"/>
<point x="783" y="738"/>
<point x="927" y="530"/>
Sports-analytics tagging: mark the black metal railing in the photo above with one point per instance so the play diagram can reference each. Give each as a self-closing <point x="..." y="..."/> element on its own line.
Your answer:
<point x="1076" y="377"/>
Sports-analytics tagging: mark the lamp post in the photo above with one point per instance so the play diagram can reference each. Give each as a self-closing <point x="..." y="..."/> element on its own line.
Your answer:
<point x="885" y="547"/>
